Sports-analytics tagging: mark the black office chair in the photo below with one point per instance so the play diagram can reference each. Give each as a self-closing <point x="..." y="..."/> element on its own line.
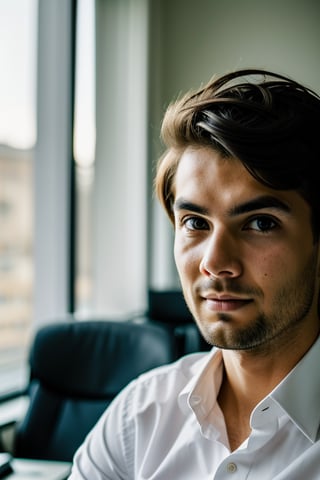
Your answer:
<point x="167" y="308"/>
<point x="77" y="368"/>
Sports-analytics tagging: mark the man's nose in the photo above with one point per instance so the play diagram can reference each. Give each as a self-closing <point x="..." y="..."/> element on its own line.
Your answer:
<point x="221" y="256"/>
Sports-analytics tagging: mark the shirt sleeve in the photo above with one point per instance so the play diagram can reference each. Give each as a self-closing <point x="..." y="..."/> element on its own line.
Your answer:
<point x="107" y="452"/>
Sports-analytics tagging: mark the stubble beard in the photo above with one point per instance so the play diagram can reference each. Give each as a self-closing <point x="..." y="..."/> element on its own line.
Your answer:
<point x="267" y="331"/>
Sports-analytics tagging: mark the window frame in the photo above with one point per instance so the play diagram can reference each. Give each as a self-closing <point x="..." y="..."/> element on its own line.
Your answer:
<point x="54" y="165"/>
<point x="53" y="173"/>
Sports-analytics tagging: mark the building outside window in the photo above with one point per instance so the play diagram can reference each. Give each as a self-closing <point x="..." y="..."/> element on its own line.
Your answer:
<point x="18" y="36"/>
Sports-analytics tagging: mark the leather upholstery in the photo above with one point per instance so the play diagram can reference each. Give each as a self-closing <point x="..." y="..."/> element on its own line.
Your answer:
<point x="77" y="367"/>
<point x="169" y="309"/>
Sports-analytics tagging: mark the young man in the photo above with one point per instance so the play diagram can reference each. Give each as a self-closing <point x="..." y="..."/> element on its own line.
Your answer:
<point x="239" y="183"/>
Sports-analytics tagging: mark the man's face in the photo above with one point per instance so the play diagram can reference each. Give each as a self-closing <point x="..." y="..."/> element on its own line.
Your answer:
<point x="245" y="255"/>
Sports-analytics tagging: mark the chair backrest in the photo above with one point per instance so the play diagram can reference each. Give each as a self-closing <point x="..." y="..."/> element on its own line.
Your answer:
<point x="168" y="308"/>
<point x="77" y="368"/>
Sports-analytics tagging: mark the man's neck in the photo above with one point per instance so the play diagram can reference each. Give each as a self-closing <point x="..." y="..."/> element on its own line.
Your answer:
<point x="247" y="379"/>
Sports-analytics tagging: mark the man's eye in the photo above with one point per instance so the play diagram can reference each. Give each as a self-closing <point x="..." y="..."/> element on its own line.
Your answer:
<point x="262" y="224"/>
<point x="195" y="223"/>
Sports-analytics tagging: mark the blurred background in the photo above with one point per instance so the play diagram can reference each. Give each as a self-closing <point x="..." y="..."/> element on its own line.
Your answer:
<point x="83" y="88"/>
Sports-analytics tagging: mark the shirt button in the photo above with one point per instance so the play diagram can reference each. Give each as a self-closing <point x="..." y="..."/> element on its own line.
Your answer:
<point x="231" y="467"/>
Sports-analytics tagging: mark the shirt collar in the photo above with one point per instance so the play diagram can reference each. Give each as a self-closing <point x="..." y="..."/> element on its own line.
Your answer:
<point x="201" y="392"/>
<point x="299" y="392"/>
<point x="297" y="395"/>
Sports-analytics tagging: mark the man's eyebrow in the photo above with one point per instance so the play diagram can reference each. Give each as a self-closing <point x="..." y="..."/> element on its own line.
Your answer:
<point x="258" y="203"/>
<point x="264" y="201"/>
<point x="183" y="204"/>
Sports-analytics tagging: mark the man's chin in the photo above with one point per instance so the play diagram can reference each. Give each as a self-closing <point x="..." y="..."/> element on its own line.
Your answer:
<point x="223" y="335"/>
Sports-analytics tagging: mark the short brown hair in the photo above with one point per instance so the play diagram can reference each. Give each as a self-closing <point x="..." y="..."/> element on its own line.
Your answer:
<point x="266" y="120"/>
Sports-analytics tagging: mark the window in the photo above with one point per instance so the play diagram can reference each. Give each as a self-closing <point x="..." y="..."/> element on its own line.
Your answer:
<point x="110" y="150"/>
<point x="18" y="27"/>
<point x="84" y="151"/>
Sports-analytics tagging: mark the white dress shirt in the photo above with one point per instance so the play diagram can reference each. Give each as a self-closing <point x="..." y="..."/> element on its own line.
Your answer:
<point x="167" y="425"/>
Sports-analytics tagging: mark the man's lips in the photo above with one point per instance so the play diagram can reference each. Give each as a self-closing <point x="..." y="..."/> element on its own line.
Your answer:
<point x="224" y="303"/>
